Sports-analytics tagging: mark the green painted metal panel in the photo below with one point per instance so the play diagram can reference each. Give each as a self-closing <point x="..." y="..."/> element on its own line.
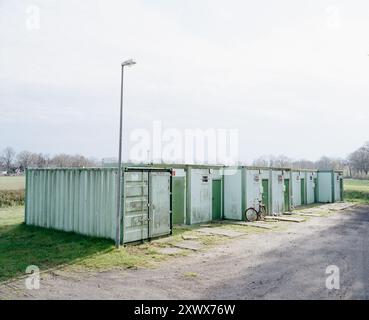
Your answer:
<point x="136" y="206"/>
<point x="296" y="188"/>
<point x="276" y="194"/>
<point x="200" y="190"/>
<point x="217" y="200"/>
<point x="325" y="187"/>
<point x="265" y="194"/>
<point x="341" y="189"/>
<point x="303" y="190"/>
<point x="147" y="205"/>
<point x="160" y="208"/>
<point x="233" y="194"/>
<point x="286" y="194"/>
<point x="78" y="200"/>
<point x="178" y="200"/>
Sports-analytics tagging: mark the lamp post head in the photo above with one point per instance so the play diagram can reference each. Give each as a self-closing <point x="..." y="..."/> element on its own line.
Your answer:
<point x="128" y="63"/>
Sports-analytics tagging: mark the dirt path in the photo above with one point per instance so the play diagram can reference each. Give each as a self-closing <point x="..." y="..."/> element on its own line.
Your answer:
<point x="287" y="264"/>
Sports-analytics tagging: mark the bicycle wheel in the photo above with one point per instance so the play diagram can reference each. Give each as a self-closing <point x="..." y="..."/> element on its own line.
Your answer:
<point x="251" y="214"/>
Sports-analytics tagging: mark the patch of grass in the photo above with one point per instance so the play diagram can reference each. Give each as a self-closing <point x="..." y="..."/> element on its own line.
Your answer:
<point x="22" y="245"/>
<point x="12" y="183"/>
<point x="190" y="274"/>
<point x="356" y="191"/>
<point x="9" y="198"/>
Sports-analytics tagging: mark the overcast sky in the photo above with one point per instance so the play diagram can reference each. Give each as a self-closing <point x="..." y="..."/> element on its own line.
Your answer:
<point x="292" y="76"/>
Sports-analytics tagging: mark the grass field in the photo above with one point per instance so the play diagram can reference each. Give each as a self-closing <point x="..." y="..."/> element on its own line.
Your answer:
<point x="11" y="191"/>
<point x="356" y="190"/>
<point x="12" y="183"/>
<point x="22" y="245"/>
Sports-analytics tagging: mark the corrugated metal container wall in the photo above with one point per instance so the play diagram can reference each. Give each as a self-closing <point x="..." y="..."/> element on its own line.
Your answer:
<point x="199" y="196"/>
<point x="296" y="188"/>
<point x="325" y="186"/>
<point x="277" y="193"/>
<point x="78" y="200"/>
<point x="233" y="193"/>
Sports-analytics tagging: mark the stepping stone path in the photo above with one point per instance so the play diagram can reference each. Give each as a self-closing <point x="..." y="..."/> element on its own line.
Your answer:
<point x="308" y="214"/>
<point x="169" y="251"/>
<point x="221" y="232"/>
<point x="189" y="237"/>
<point x="259" y="224"/>
<point x="189" y="244"/>
<point x="288" y="219"/>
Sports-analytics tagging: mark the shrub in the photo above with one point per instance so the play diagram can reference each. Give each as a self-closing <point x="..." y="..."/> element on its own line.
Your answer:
<point x="9" y="198"/>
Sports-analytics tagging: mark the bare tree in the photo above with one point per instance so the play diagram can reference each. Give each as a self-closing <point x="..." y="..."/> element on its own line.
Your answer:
<point x="359" y="159"/>
<point x="24" y="159"/>
<point x="7" y="158"/>
<point x="64" y="160"/>
<point x="262" y="161"/>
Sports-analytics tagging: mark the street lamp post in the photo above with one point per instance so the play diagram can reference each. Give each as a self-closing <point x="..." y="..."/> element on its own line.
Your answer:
<point x="119" y="186"/>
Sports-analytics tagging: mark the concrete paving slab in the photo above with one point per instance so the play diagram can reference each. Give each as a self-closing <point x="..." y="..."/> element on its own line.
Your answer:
<point x="189" y="237"/>
<point x="189" y="244"/>
<point x="169" y="250"/>
<point x="260" y="224"/>
<point x="308" y="214"/>
<point x="287" y="219"/>
<point x="221" y="232"/>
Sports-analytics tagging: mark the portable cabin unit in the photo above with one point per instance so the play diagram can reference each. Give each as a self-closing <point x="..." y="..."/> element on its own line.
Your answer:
<point x="281" y="190"/>
<point x="204" y="193"/>
<point x="85" y="201"/>
<point x="257" y="187"/>
<point x="330" y="186"/>
<point x="197" y="192"/>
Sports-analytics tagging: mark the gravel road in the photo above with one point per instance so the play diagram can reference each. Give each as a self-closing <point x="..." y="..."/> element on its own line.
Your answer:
<point x="284" y="264"/>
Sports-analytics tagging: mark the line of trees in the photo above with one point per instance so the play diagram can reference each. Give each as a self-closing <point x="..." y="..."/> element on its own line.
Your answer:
<point x="13" y="162"/>
<point x="356" y="165"/>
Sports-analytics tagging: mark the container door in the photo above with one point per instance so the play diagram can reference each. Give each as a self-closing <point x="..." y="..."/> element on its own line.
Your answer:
<point x="286" y="194"/>
<point x="315" y="190"/>
<point x="136" y="213"/>
<point x="265" y="195"/>
<point x="159" y="199"/>
<point x="178" y="199"/>
<point x="303" y="200"/>
<point x="217" y="200"/>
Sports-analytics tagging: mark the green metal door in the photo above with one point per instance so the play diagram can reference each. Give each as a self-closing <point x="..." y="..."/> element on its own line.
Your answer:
<point x="136" y="205"/>
<point x="315" y="190"/>
<point x="178" y="199"/>
<point x="341" y="189"/>
<point x="286" y="194"/>
<point x="265" y="195"/>
<point x="217" y="200"/>
<point x="159" y="207"/>
<point x="146" y="201"/>
<point x="303" y="200"/>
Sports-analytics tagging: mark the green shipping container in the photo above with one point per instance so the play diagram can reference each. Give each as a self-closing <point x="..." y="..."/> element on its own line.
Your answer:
<point x="85" y="201"/>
